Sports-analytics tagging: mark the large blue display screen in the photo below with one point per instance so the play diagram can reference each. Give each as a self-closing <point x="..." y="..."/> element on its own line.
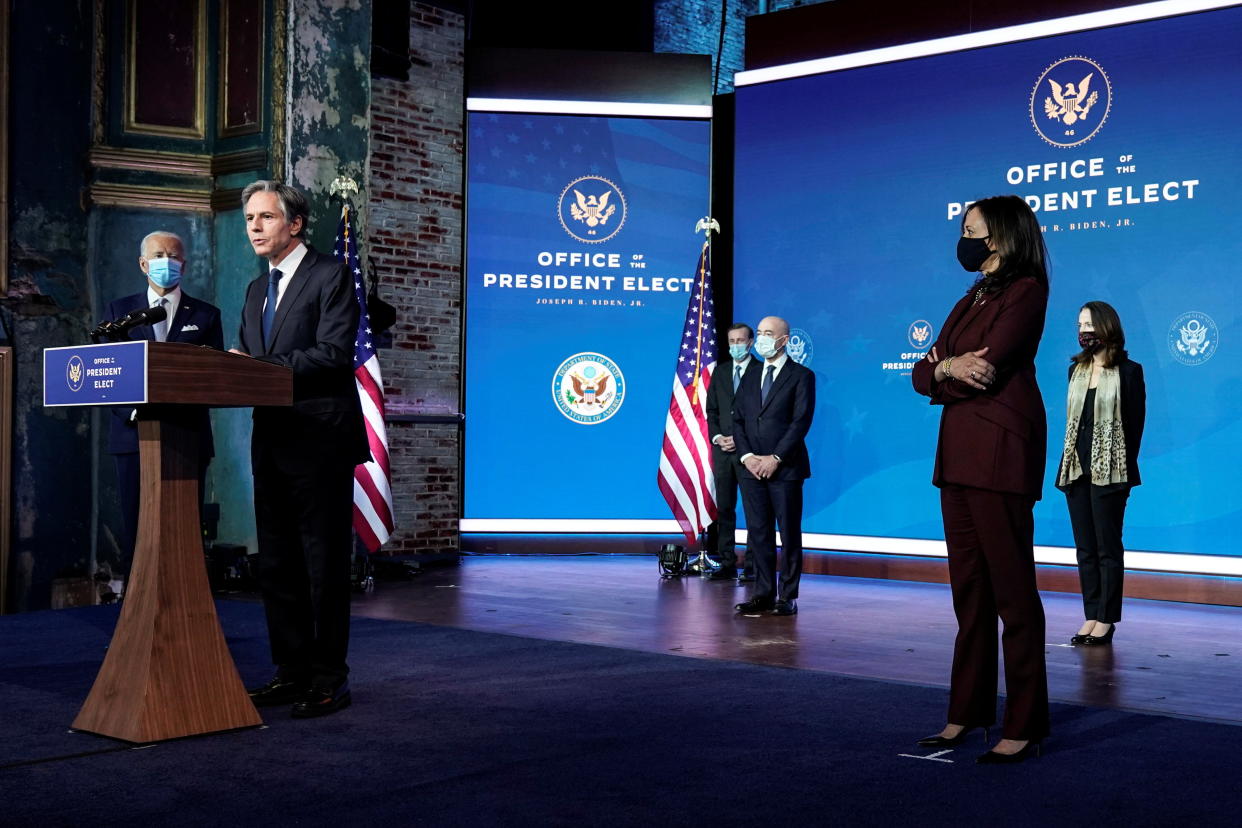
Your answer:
<point x="850" y="187"/>
<point x="580" y="249"/>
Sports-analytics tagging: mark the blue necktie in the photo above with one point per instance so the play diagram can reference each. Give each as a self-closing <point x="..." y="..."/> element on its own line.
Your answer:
<point x="269" y="310"/>
<point x="767" y="384"/>
<point x="737" y="377"/>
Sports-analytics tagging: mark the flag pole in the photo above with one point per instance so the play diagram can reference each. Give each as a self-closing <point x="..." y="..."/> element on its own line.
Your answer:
<point x="706" y="225"/>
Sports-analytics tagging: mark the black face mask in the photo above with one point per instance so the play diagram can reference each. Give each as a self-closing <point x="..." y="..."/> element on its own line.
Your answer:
<point x="1087" y="340"/>
<point x="972" y="253"/>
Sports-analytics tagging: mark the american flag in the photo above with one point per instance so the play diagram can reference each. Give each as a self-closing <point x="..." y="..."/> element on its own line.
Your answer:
<point x="685" y="475"/>
<point x="372" y="480"/>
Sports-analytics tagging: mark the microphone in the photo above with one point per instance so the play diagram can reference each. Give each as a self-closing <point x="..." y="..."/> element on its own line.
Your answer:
<point x="116" y="330"/>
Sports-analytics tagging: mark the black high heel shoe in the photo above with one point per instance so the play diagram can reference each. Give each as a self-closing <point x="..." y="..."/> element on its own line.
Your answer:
<point x="1106" y="638"/>
<point x="939" y="741"/>
<point x="1079" y="639"/>
<point x="994" y="758"/>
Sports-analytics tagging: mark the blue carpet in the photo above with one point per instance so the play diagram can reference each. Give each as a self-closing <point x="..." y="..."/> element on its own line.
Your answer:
<point x="452" y="727"/>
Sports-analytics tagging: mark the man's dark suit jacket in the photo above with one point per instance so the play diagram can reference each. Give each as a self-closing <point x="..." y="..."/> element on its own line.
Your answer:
<point x="720" y="406"/>
<point x="994" y="439"/>
<point x="203" y="323"/>
<point x="313" y="333"/>
<point x="778" y="425"/>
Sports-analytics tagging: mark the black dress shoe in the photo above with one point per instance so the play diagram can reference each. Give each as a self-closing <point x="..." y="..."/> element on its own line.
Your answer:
<point x="1097" y="640"/>
<point x="746" y="577"/>
<point x="994" y="758"/>
<point x="754" y="606"/>
<point x="1079" y="639"/>
<point x="789" y="607"/>
<point x="723" y="574"/>
<point x="939" y="741"/>
<point x="321" y="701"/>
<point x="278" y="691"/>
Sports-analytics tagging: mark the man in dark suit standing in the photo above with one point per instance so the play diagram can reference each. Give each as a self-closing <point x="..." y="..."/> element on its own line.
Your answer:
<point x="302" y="314"/>
<point x="161" y="257"/>
<point x="725" y="459"/>
<point x="771" y="417"/>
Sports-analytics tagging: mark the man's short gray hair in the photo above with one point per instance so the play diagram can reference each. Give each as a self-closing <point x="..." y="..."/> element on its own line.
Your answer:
<point x="142" y="245"/>
<point x="293" y="202"/>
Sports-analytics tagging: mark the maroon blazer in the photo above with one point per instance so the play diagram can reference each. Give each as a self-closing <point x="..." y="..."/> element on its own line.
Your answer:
<point x="995" y="439"/>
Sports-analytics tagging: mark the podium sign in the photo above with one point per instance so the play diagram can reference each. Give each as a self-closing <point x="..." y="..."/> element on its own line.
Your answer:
<point x="114" y="373"/>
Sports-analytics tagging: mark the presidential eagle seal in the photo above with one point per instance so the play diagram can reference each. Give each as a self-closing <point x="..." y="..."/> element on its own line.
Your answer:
<point x="75" y="373"/>
<point x="1071" y="101"/>
<point x="919" y="334"/>
<point x="591" y="209"/>
<point x="588" y="388"/>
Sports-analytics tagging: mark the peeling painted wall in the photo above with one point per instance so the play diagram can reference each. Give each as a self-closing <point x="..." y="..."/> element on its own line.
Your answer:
<point x="329" y="100"/>
<point x="49" y="299"/>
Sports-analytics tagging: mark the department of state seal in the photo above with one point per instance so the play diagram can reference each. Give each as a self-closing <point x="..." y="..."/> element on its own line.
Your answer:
<point x="588" y="388"/>
<point x="1193" y="338"/>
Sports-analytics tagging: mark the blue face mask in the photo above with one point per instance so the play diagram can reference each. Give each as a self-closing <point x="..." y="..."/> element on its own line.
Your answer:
<point x="164" y="273"/>
<point x="739" y="351"/>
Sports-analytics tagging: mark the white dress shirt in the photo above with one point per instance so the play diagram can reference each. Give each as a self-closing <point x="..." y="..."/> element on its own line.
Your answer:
<point x="173" y="301"/>
<point x="778" y="364"/>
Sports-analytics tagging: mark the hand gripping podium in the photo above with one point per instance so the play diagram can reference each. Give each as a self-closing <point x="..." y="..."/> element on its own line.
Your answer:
<point x="168" y="672"/>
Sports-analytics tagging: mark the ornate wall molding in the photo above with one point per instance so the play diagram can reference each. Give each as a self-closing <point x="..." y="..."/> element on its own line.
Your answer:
<point x="177" y="163"/>
<point x="197" y="127"/>
<point x="146" y="197"/>
<point x="279" y="85"/>
<point x="235" y="68"/>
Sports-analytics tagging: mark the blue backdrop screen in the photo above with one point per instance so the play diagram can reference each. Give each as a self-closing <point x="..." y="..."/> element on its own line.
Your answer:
<point x="580" y="248"/>
<point x="850" y="187"/>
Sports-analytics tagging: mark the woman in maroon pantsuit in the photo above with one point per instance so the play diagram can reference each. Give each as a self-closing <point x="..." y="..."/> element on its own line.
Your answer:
<point x="990" y="471"/>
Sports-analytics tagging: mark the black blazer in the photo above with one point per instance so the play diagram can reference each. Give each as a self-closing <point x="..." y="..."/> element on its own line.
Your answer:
<point x="720" y="405"/>
<point x="778" y="426"/>
<point x="1133" y="413"/>
<point x="196" y="322"/>
<point x="313" y="333"/>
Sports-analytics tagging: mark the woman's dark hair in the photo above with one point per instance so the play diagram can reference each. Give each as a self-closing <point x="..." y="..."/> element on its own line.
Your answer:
<point x="1014" y="230"/>
<point x="1107" y="325"/>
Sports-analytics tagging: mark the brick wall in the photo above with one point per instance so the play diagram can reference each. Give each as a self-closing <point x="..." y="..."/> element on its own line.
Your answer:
<point x="692" y="27"/>
<point x="414" y="231"/>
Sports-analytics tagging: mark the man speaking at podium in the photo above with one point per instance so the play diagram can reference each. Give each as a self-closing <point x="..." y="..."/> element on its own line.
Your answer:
<point x="161" y="257"/>
<point x="302" y="314"/>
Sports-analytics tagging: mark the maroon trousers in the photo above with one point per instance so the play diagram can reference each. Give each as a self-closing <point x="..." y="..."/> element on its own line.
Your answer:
<point x="990" y="536"/>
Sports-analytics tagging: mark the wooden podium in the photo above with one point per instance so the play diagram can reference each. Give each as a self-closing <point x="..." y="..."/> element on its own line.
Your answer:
<point x="168" y="672"/>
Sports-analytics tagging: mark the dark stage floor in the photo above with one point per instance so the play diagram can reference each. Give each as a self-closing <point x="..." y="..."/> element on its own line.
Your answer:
<point x="568" y="691"/>
<point x="1169" y="658"/>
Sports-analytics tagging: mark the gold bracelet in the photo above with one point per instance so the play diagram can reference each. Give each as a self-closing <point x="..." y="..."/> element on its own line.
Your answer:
<point x="948" y="363"/>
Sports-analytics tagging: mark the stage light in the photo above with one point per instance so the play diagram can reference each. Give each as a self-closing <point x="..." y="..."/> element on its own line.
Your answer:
<point x="672" y="560"/>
